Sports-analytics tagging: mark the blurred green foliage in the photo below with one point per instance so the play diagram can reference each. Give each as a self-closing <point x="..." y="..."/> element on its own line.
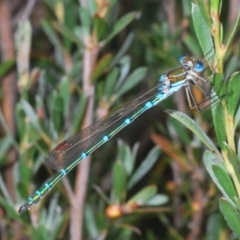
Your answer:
<point x="136" y="191"/>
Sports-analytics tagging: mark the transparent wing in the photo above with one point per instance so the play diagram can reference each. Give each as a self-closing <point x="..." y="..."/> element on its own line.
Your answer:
<point x="72" y="148"/>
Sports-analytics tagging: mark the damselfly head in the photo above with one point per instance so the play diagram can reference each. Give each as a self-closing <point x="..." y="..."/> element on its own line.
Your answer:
<point x="191" y="63"/>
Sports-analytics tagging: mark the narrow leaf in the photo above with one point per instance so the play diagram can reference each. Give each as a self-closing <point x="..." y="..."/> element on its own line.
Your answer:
<point x="125" y="65"/>
<point x="225" y="181"/>
<point x="119" y="182"/>
<point x="211" y="160"/>
<point x="235" y="28"/>
<point x="157" y="200"/>
<point x="110" y="82"/>
<point x="6" y="66"/>
<point x="194" y="127"/>
<point x="219" y="123"/>
<point x="64" y="92"/>
<point x="100" y="27"/>
<point x="125" y="156"/>
<point x="31" y="114"/>
<point x="145" y="166"/>
<point x="101" y="66"/>
<point x="233" y="161"/>
<point x="85" y="20"/>
<point x="233" y="100"/>
<point x="144" y="195"/>
<point x="125" y="46"/>
<point x="132" y="80"/>
<point x="203" y="32"/>
<point x="231" y="215"/>
<point x="204" y="10"/>
<point x="121" y="24"/>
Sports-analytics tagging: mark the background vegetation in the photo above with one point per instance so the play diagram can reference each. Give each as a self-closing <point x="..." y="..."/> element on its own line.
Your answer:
<point x="67" y="63"/>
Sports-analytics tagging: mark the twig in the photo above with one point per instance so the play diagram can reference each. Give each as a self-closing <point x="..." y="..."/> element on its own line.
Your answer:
<point x="76" y="222"/>
<point x="9" y="90"/>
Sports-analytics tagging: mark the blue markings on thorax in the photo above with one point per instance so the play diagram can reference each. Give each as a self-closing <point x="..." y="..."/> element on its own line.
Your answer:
<point x="162" y="78"/>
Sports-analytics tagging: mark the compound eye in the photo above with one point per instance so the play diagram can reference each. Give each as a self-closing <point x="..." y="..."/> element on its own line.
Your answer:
<point x="198" y="66"/>
<point x="183" y="59"/>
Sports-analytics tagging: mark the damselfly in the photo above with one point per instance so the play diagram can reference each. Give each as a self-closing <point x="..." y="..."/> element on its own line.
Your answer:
<point x="70" y="152"/>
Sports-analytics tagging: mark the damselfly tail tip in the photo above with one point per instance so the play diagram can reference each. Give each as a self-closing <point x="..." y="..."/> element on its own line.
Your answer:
<point x="23" y="208"/>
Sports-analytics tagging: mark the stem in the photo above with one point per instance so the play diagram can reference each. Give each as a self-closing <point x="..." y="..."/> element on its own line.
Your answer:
<point x="217" y="40"/>
<point x="9" y="91"/>
<point x="76" y="222"/>
<point x="229" y="129"/>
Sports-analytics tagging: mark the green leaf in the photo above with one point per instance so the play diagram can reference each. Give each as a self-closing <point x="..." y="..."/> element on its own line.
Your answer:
<point x="47" y="27"/>
<point x="132" y="80"/>
<point x="145" y="166"/>
<point x="219" y="123"/>
<point x="179" y="132"/>
<point x="211" y="162"/>
<point x="102" y="194"/>
<point x="125" y="46"/>
<point x="221" y="90"/>
<point x="31" y="114"/>
<point x="110" y="83"/>
<point x="67" y="33"/>
<point x="125" y="65"/>
<point x="230" y="67"/>
<point x="57" y="111"/>
<point x="214" y="225"/>
<point x="8" y="207"/>
<point x="225" y="181"/>
<point x="126" y="156"/>
<point x="101" y="66"/>
<point x="92" y="7"/>
<point x="238" y="150"/>
<point x="119" y="182"/>
<point x="40" y="233"/>
<point x="194" y="127"/>
<point x="220" y="86"/>
<point x="143" y="196"/>
<point x="231" y="215"/>
<point x="85" y="20"/>
<point x="235" y="28"/>
<point x="233" y="160"/>
<point x="203" y="32"/>
<point x="100" y="27"/>
<point x="121" y="24"/>
<point x="233" y="100"/>
<point x="157" y="200"/>
<point x="5" y="144"/>
<point x="237" y="117"/>
<point x="64" y="93"/>
<point x="78" y="114"/>
<point x="6" y="66"/>
<point x="204" y="10"/>
<point x="90" y="218"/>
